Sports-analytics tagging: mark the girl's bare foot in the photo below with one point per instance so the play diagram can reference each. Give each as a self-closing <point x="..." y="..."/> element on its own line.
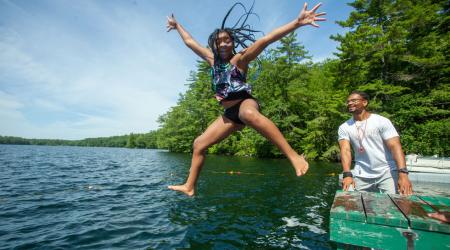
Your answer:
<point x="183" y="188"/>
<point x="300" y="164"/>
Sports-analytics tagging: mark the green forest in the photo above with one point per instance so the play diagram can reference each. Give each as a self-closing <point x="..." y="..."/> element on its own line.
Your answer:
<point x="396" y="51"/>
<point x="147" y="140"/>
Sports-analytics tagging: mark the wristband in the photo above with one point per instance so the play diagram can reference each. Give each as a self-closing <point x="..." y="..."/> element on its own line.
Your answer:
<point x="403" y="170"/>
<point x="347" y="174"/>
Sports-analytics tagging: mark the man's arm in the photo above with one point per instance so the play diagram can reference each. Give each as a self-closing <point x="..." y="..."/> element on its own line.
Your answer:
<point x="346" y="161"/>
<point x="394" y="145"/>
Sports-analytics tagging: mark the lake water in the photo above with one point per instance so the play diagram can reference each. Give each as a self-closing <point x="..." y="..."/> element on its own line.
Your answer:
<point x="115" y="198"/>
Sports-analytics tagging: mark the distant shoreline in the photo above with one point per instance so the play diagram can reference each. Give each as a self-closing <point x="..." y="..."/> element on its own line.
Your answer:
<point x="123" y="141"/>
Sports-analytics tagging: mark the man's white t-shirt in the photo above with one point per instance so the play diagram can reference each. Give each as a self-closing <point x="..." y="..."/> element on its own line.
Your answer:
<point x="376" y="157"/>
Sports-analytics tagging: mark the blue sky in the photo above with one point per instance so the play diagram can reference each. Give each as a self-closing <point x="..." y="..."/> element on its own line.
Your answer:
<point x="93" y="68"/>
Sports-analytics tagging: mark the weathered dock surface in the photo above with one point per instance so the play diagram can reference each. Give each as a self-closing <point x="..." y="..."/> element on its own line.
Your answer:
<point x="384" y="221"/>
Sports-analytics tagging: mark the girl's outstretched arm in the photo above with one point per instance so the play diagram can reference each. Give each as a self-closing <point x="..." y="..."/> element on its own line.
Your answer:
<point x="306" y="17"/>
<point x="201" y="51"/>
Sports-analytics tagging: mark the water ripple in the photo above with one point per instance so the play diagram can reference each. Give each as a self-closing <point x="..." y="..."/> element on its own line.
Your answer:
<point x="110" y="198"/>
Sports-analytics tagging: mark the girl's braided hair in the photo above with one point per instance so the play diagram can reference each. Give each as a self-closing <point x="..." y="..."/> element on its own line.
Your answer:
<point x="241" y="33"/>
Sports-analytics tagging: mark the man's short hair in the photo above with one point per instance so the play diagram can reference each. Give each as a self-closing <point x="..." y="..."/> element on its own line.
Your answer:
<point x="363" y="94"/>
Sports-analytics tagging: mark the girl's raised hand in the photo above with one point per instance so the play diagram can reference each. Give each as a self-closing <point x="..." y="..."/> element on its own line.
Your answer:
<point x="309" y="17"/>
<point x="171" y="23"/>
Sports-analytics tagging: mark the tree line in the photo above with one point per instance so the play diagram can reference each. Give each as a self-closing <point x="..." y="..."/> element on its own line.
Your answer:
<point x="396" y="51"/>
<point x="145" y="140"/>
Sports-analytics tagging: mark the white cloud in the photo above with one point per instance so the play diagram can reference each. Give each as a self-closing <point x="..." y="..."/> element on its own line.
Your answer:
<point x="9" y="102"/>
<point x="17" y="63"/>
<point x="47" y="105"/>
<point x="10" y="115"/>
<point x="97" y="89"/>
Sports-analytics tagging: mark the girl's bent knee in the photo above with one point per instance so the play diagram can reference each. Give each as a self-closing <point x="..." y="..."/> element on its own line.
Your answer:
<point x="249" y="115"/>
<point x="199" y="146"/>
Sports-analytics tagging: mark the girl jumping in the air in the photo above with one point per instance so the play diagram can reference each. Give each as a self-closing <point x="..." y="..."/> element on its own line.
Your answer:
<point x="229" y="70"/>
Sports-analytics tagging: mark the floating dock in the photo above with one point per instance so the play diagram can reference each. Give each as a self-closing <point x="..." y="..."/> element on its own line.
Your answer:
<point x="382" y="221"/>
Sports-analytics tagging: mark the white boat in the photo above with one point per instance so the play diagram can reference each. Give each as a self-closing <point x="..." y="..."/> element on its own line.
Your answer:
<point x="428" y="168"/>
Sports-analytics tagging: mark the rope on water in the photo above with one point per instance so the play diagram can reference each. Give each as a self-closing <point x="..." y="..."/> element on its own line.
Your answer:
<point x="237" y="172"/>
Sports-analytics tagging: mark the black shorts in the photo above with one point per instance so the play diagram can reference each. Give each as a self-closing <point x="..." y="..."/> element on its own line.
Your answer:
<point x="232" y="112"/>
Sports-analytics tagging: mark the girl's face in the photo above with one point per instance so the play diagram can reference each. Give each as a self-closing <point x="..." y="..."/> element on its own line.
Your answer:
<point x="225" y="46"/>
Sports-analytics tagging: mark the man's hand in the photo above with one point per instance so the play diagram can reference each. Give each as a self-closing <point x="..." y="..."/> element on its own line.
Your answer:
<point x="404" y="185"/>
<point x="346" y="182"/>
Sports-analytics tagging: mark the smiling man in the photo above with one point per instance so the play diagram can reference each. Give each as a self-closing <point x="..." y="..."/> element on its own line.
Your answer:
<point x="380" y="164"/>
